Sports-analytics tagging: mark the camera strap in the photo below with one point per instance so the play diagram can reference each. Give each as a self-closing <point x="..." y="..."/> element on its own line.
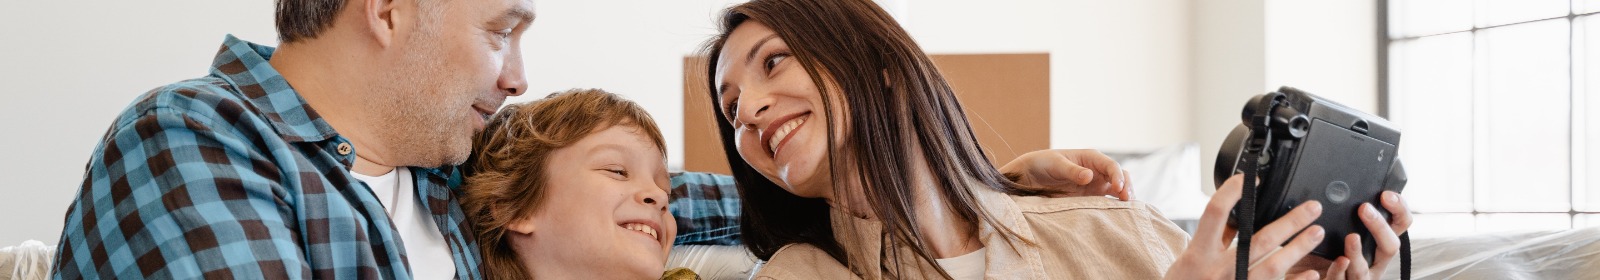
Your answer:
<point x="1247" y="212"/>
<point x="1255" y="148"/>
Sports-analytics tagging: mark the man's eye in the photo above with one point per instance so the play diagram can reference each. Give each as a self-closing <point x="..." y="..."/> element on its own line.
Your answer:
<point x="502" y="35"/>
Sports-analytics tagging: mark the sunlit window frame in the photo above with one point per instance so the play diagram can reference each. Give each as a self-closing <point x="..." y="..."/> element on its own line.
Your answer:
<point x="1386" y="41"/>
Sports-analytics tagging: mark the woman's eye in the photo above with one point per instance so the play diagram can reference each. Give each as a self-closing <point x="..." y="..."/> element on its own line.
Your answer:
<point x="772" y="61"/>
<point x="731" y="110"/>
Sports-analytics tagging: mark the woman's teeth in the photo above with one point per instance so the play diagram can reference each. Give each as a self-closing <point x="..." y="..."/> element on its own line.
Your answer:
<point x="783" y="131"/>
<point x="642" y="228"/>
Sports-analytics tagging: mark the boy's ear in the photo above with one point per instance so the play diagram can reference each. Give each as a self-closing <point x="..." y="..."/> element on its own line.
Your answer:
<point x="523" y="225"/>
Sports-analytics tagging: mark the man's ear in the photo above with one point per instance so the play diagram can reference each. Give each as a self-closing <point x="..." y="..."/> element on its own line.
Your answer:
<point x="379" y="16"/>
<point x="523" y="225"/>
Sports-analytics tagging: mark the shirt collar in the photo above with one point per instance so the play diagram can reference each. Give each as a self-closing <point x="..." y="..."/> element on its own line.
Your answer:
<point x="244" y="65"/>
<point x="864" y="240"/>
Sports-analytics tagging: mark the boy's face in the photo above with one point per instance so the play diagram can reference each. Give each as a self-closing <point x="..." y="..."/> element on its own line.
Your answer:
<point x="605" y="207"/>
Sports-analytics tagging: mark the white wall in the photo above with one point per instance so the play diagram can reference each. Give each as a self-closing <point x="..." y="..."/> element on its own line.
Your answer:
<point x="68" y="67"/>
<point x="1229" y="67"/>
<point x="1126" y="75"/>
<point x="1249" y="47"/>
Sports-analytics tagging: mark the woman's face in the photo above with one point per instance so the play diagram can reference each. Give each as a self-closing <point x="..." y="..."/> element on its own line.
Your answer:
<point x="776" y="110"/>
<point x="604" y="210"/>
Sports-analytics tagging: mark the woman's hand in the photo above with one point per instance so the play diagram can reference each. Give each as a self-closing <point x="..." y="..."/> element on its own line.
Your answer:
<point x="1209" y="256"/>
<point x="1060" y="173"/>
<point x="1386" y="232"/>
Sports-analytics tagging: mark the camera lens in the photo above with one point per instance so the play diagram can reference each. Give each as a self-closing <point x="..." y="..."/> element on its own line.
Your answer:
<point x="1228" y="156"/>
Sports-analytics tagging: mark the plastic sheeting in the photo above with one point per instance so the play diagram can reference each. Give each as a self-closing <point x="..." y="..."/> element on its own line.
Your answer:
<point x="713" y="262"/>
<point x="29" y="261"/>
<point x="1568" y="254"/>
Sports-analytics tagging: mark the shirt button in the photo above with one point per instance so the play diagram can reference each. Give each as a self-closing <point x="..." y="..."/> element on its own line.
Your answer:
<point x="344" y="149"/>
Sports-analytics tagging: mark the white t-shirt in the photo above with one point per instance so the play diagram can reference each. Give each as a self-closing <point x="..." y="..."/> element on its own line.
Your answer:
<point x="425" y="247"/>
<point x="963" y="267"/>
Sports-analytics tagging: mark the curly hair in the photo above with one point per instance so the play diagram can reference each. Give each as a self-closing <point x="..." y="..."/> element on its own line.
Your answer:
<point x="506" y="173"/>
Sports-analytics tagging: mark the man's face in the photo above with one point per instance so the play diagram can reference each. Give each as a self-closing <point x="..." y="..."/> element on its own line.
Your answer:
<point x="447" y="73"/>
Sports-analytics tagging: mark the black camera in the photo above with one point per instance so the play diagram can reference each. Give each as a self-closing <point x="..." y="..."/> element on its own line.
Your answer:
<point x="1304" y="147"/>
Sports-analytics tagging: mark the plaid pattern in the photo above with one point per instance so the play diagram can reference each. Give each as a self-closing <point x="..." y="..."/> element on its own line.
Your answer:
<point x="706" y="207"/>
<point x="232" y="175"/>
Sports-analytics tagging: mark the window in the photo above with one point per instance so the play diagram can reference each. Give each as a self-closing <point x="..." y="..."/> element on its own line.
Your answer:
<point x="1499" y="101"/>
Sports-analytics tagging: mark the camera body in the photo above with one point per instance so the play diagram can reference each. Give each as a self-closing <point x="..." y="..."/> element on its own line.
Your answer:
<point x="1309" y="148"/>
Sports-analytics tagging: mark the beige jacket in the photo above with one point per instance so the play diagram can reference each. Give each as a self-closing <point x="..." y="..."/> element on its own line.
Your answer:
<point x="1072" y="238"/>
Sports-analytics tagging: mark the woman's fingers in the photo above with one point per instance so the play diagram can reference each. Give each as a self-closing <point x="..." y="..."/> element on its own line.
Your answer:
<point x="1337" y="270"/>
<point x="1280" y="230"/>
<point x="1386" y="239"/>
<point x="1280" y="261"/>
<point x="1214" y="221"/>
<point x="1358" y="262"/>
<point x="1399" y="211"/>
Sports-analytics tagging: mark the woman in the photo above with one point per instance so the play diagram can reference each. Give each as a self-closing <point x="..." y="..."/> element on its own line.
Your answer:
<point x="855" y="160"/>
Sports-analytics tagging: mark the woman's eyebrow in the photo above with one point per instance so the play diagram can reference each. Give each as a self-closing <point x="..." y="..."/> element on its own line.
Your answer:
<point x="752" y="55"/>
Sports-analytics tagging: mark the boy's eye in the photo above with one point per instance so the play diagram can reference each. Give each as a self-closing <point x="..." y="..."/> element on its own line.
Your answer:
<point x="618" y="172"/>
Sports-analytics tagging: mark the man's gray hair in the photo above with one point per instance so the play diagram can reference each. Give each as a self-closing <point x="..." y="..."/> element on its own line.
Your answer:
<point x="305" y="19"/>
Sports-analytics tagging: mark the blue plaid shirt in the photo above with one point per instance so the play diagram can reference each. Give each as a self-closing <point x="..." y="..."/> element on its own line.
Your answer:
<point x="232" y="175"/>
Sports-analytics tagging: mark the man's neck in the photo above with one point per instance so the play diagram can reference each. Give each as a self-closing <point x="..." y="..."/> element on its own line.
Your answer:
<point x="366" y="167"/>
<point x="313" y="71"/>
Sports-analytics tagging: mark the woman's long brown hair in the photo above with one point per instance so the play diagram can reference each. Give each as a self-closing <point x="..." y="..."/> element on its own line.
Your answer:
<point x="896" y="101"/>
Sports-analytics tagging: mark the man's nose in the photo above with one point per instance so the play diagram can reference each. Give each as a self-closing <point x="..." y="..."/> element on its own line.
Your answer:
<point x="512" y="81"/>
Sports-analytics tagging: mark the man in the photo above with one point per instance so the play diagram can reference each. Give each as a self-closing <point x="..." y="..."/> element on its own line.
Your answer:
<point x="333" y="155"/>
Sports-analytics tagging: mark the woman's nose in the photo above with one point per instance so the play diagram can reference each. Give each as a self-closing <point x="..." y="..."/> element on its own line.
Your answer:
<point x="753" y="106"/>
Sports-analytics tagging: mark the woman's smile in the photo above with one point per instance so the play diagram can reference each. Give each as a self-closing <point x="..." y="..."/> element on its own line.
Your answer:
<point x="781" y="130"/>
